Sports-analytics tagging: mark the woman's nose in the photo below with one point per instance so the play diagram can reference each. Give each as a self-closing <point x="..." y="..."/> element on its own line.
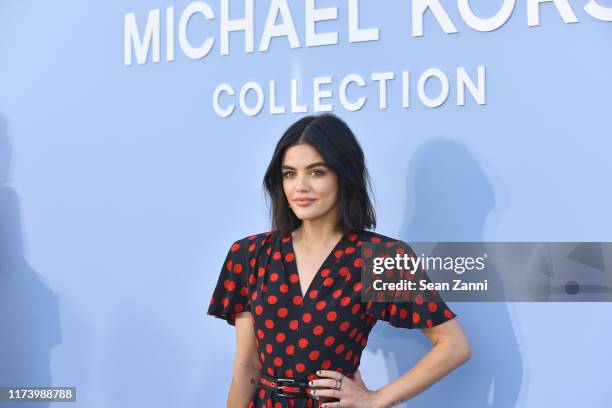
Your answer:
<point x="302" y="183"/>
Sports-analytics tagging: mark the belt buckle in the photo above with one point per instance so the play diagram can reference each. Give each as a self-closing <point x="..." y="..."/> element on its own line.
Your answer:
<point x="279" y="386"/>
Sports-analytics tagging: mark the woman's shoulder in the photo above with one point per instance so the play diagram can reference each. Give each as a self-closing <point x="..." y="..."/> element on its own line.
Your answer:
<point x="375" y="237"/>
<point x="257" y="239"/>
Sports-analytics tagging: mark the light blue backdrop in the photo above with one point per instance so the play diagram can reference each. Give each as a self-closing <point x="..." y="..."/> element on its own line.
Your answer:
<point x="121" y="191"/>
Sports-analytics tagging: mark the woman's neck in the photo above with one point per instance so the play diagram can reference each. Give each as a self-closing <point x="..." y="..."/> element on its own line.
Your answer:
<point x="316" y="235"/>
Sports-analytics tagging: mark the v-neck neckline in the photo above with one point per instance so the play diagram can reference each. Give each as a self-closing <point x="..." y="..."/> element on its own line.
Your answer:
<point x="323" y="266"/>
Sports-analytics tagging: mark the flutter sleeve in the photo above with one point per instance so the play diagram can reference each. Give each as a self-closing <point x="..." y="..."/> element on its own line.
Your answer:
<point x="413" y="309"/>
<point x="231" y="294"/>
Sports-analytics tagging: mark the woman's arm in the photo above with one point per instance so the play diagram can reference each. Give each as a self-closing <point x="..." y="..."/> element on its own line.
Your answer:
<point x="246" y="364"/>
<point x="450" y="350"/>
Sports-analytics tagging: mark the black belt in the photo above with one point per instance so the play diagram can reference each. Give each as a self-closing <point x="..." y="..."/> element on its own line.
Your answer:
<point x="289" y="387"/>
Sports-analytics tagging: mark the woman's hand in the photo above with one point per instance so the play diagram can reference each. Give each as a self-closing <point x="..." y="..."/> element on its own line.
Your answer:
<point x="351" y="393"/>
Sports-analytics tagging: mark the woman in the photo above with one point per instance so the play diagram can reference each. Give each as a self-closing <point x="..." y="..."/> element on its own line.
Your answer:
<point x="294" y="293"/>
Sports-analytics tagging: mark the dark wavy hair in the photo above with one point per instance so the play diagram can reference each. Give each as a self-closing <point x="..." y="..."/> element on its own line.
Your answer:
<point x="336" y="143"/>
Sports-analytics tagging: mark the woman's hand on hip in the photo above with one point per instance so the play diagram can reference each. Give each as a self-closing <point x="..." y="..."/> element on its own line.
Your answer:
<point x="350" y="392"/>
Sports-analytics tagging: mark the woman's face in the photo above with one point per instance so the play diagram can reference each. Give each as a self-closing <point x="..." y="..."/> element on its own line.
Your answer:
<point x="310" y="186"/>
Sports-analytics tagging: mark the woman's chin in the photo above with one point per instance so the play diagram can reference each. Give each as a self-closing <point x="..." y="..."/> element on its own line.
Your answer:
<point x="307" y="215"/>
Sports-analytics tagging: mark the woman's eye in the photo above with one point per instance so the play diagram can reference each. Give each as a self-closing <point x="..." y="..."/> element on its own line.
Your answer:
<point x="288" y="174"/>
<point x="318" y="172"/>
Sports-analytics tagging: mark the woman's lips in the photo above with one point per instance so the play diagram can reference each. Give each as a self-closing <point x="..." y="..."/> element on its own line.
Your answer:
<point x="304" y="202"/>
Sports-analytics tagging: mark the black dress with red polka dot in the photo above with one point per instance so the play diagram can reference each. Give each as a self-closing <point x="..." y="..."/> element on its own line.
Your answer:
<point x="327" y="328"/>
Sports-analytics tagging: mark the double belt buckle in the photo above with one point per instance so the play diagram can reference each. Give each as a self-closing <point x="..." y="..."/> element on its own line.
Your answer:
<point x="280" y="383"/>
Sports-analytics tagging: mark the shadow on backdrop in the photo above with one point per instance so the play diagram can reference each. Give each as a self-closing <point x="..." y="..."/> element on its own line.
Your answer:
<point x="449" y="198"/>
<point x="29" y="313"/>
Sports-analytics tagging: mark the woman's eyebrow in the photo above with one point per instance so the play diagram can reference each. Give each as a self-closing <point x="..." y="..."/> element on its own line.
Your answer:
<point x="284" y="166"/>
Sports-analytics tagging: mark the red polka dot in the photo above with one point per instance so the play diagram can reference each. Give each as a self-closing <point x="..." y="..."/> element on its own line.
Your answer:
<point x="357" y="263"/>
<point x="260" y="333"/>
<point x="282" y="312"/>
<point x="300" y="368"/>
<point x="268" y="348"/>
<point x="274" y="277"/>
<point x="261" y="271"/>
<point x="317" y="330"/>
<point x="355" y="308"/>
<point x="289" y="257"/>
<point x="321" y="305"/>
<point x="280" y="337"/>
<point x="344" y="326"/>
<point x="331" y="316"/>
<point x="447" y="313"/>
<point x="326" y="364"/>
<point x="357" y="286"/>
<point x="278" y="361"/>
<point x="328" y="282"/>
<point x="235" y="247"/>
<point x="339" y="348"/>
<point x="303" y="342"/>
<point x="416" y="317"/>
<point x="345" y="301"/>
<point x="258" y="309"/>
<point x="403" y="313"/>
<point x="297" y="300"/>
<point x="284" y="288"/>
<point x="290" y="350"/>
<point x="307" y="317"/>
<point x="272" y="299"/>
<point x="344" y="270"/>
<point x="338" y="253"/>
<point x="349" y="250"/>
<point x="325" y="272"/>
<point x="313" y="294"/>
<point x="419" y="299"/>
<point x="337" y="293"/>
<point x="313" y="355"/>
<point x="432" y="306"/>
<point x="294" y="278"/>
<point x="392" y="309"/>
<point x="269" y="323"/>
<point x="276" y="256"/>
<point x="429" y="323"/>
<point x="252" y="247"/>
<point x="329" y="340"/>
<point x="375" y="240"/>
<point x="293" y="325"/>
<point x="237" y="268"/>
<point x="289" y="373"/>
